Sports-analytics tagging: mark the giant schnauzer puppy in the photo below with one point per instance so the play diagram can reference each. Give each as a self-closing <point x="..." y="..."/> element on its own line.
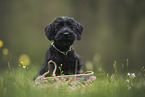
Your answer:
<point x="63" y="31"/>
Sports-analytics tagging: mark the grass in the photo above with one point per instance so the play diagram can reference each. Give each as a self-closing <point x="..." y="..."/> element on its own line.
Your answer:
<point x="19" y="83"/>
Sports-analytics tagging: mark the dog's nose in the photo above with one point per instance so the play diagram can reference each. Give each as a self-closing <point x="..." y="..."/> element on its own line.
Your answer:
<point x="66" y="34"/>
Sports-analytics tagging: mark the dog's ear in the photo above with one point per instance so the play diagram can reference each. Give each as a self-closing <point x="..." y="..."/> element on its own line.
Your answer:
<point x="79" y="31"/>
<point x="49" y="31"/>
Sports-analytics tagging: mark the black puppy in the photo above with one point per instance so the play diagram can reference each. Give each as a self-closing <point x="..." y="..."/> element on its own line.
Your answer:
<point x="62" y="31"/>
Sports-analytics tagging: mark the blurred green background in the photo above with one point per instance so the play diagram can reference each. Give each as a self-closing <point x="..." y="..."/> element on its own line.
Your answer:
<point x="113" y="30"/>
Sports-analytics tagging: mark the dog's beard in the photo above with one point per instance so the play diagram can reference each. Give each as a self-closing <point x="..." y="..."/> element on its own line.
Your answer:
<point x="63" y="45"/>
<point x="62" y="41"/>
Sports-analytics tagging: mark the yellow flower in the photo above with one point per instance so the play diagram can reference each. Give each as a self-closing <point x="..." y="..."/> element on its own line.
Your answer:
<point x="22" y="62"/>
<point x="1" y="43"/>
<point x="5" y="51"/>
<point x="61" y="65"/>
<point x="24" y="67"/>
<point x="24" y="59"/>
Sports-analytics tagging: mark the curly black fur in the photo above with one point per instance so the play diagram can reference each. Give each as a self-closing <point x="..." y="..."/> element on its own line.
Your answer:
<point x="63" y="31"/>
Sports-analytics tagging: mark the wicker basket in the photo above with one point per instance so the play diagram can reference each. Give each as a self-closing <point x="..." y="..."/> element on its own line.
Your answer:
<point x="85" y="79"/>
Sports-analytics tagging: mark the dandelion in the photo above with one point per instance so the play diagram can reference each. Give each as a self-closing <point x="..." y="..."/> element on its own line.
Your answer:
<point x="24" y="59"/>
<point x="5" y="51"/>
<point x="1" y="43"/>
<point x="24" y="66"/>
<point x="60" y="68"/>
<point x="22" y="62"/>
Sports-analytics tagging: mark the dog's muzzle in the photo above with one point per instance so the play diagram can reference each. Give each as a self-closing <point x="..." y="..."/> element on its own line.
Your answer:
<point x="65" y="34"/>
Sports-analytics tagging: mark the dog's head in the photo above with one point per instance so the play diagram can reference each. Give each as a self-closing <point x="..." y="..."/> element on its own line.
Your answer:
<point x="64" y="29"/>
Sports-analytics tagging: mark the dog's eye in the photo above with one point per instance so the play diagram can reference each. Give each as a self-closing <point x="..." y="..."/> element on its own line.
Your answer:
<point x="69" y="24"/>
<point x="61" y="24"/>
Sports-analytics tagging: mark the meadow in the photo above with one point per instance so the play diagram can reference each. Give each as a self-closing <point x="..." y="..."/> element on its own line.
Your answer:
<point x="19" y="82"/>
<point x="113" y="30"/>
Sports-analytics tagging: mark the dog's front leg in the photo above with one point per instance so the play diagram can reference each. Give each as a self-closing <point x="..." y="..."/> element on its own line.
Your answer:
<point x="42" y="70"/>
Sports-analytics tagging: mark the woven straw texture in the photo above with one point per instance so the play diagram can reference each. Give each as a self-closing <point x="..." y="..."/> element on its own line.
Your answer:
<point x="76" y="80"/>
